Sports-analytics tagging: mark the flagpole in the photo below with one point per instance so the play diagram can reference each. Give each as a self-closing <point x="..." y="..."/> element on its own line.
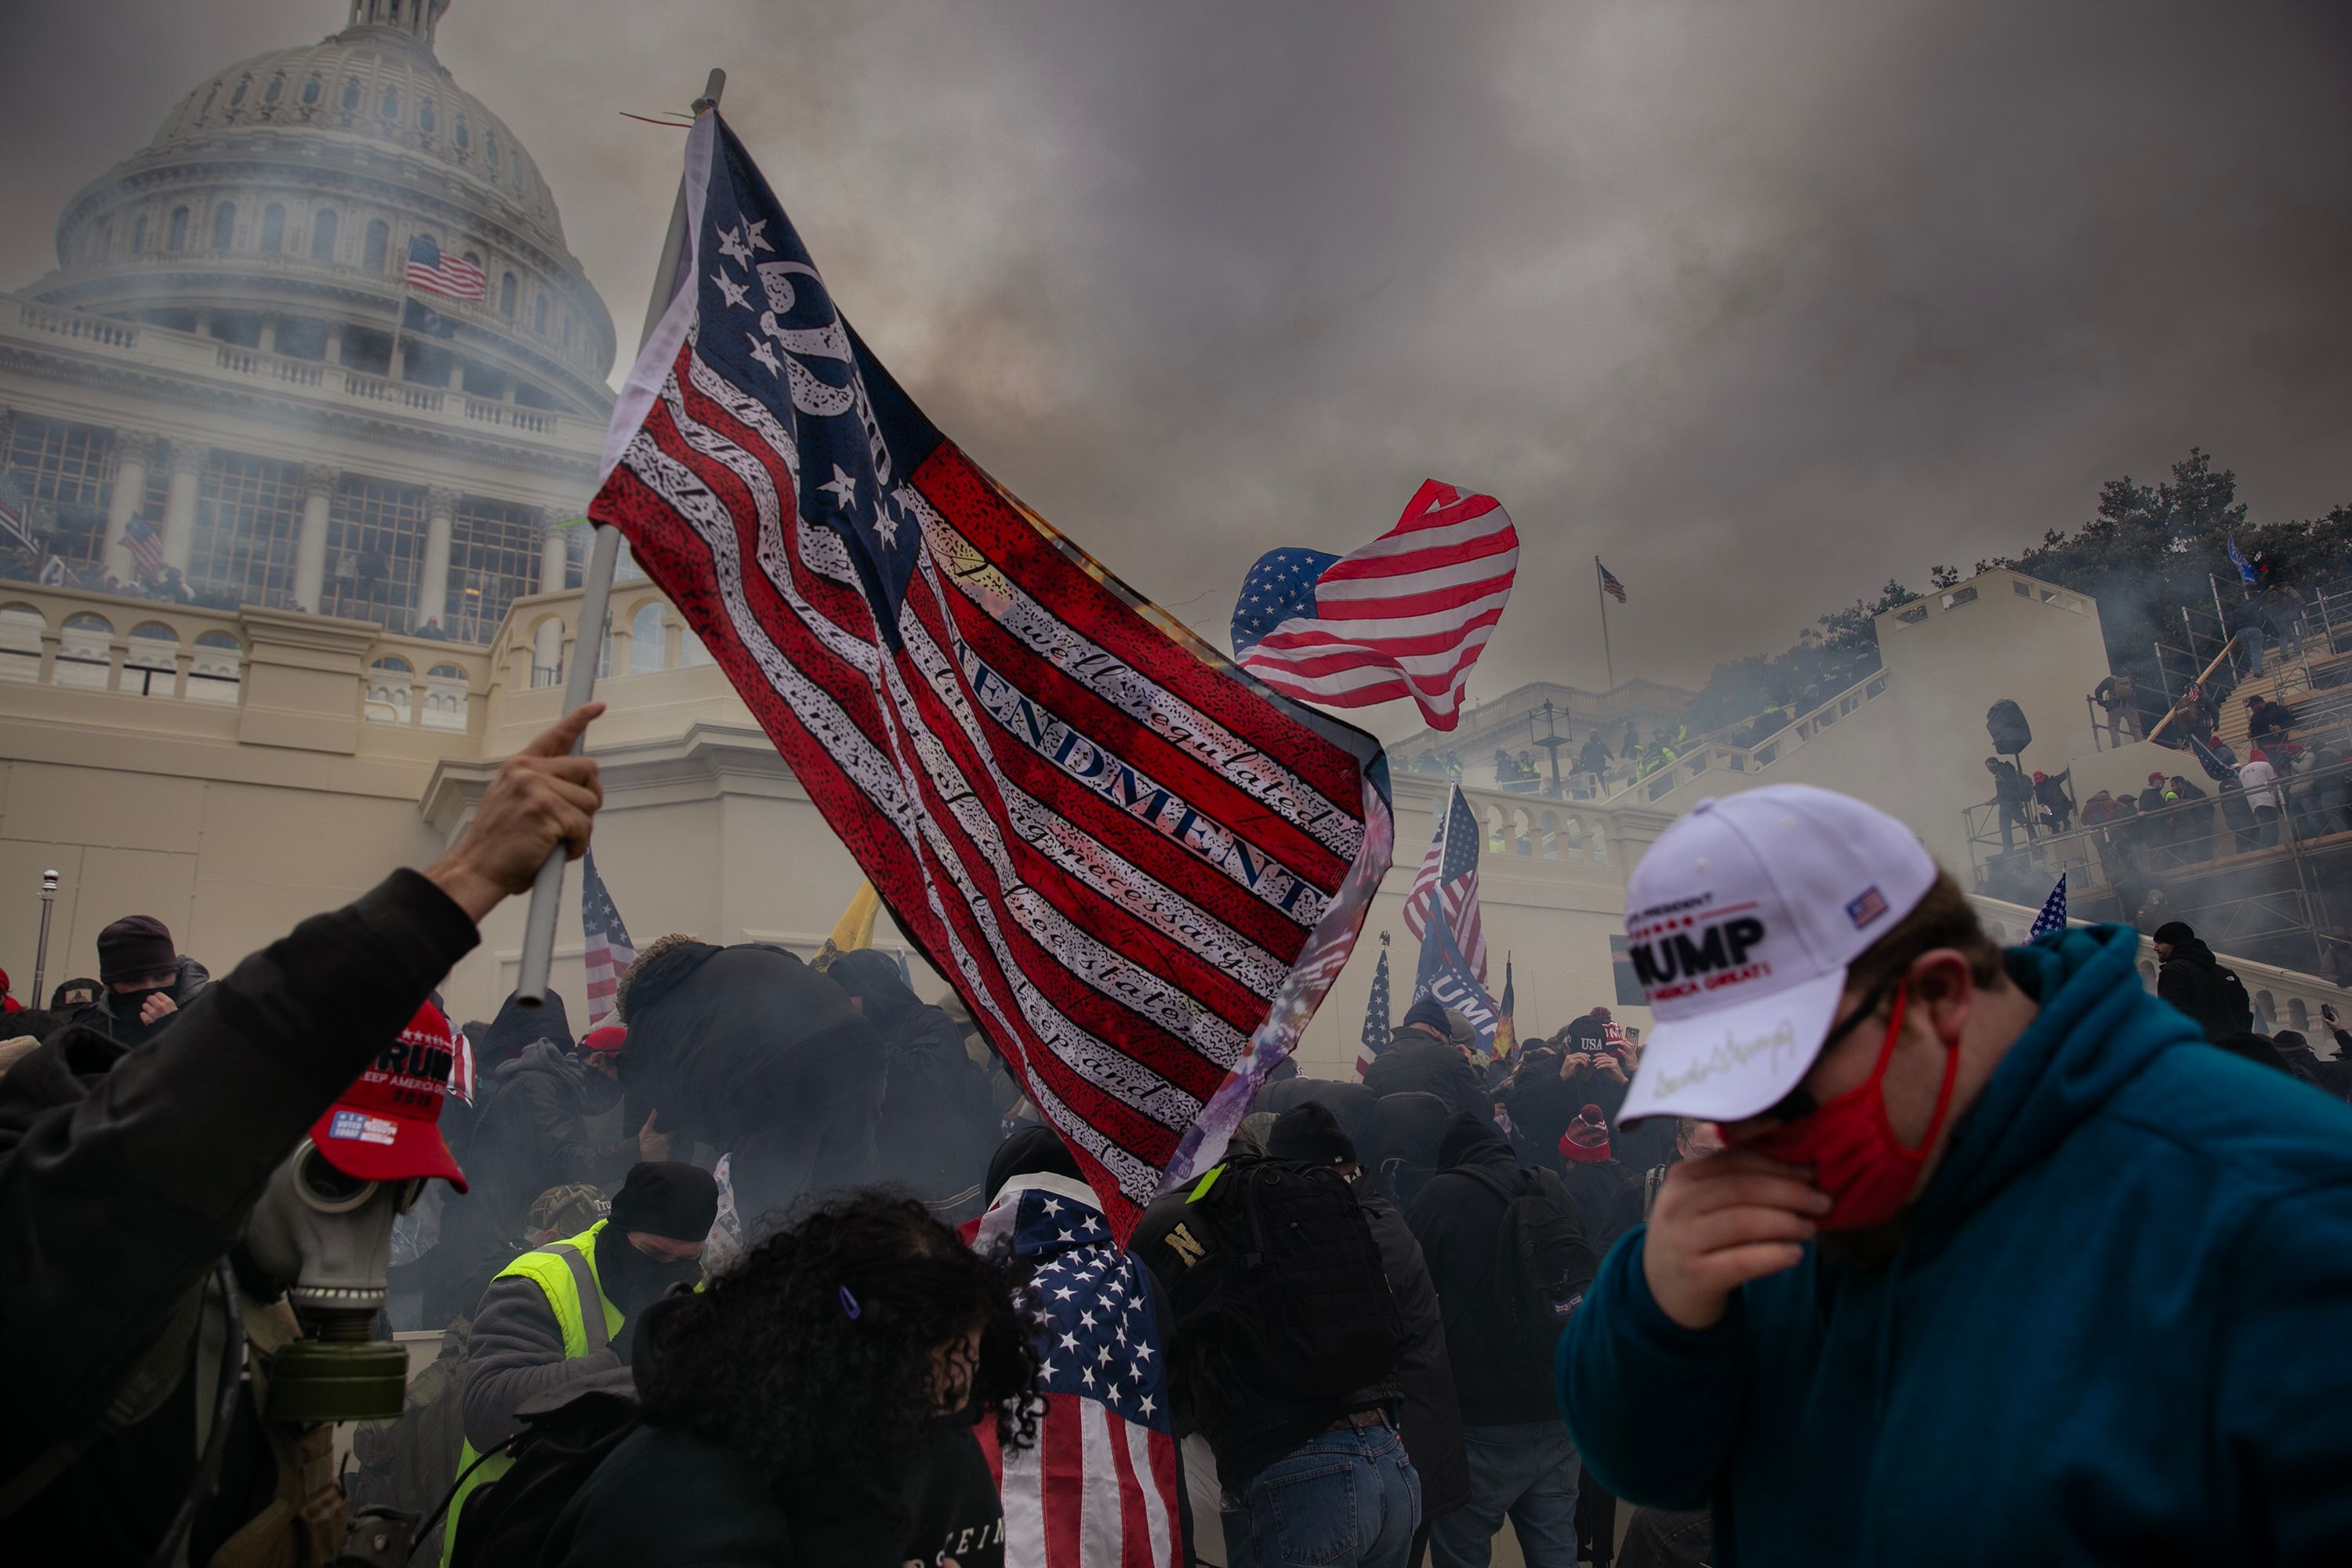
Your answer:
<point x="596" y="601"/>
<point x="1602" y="596"/>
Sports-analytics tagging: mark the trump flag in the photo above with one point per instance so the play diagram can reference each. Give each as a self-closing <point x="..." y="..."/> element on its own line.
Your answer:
<point x="1140" y="870"/>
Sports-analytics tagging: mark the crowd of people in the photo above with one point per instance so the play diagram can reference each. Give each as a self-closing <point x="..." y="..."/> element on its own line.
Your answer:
<point x="780" y="1266"/>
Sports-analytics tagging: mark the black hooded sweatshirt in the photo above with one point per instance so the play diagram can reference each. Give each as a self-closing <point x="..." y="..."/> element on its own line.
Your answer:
<point x="754" y="1053"/>
<point x="1459" y="1221"/>
<point x="124" y="1175"/>
<point x="116" y="1015"/>
<point x="2194" y="982"/>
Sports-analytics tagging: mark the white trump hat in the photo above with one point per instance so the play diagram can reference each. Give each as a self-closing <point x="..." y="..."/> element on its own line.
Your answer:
<point x="1742" y="920"/>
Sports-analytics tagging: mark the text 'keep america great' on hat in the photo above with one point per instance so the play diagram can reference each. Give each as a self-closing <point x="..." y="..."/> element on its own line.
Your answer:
<point x="1742" y="920"/>
<point x="387" y="1127"/>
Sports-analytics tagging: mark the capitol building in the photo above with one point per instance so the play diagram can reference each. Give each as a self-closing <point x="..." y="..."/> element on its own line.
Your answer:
<point x="219" y="352"/>
<point x="302" y="577"/>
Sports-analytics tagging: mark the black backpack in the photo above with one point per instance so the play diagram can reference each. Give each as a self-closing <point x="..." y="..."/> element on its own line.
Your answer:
<point x="563" y="1439"/>
<point x="2233" y="1008"/>
<point x="1284" y="1293"/>
<point x="1542" y="1261"/>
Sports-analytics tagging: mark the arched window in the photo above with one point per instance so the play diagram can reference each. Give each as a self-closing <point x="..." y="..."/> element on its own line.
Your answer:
<point x="311" y="91"/>
<point x="538" y="311"/>
<point x="273" y="229"/>
<point x="474" y="259"/>
<point x="395" y="17"/>
<point x="275" y="90"/>
<point x="379" y="245"/>
<point x="506" y="295"/>
<point x="490" y="145"/>
<point x="213" y="93"/>
<point x="393" y="663"/>
<point x="178" y="237"/>
<point x="425" y="116"/>
<point x="648" y="640"/>
<point x="324" y="224"/>
<point x="213" y="674"/>
<point x="351" y="93"/>
<point x="224" y="226"/>
<point x="391" y="105"/>
<point x="106" y="237"/>
<point x="150" y="667"/>
<point x="239" y="96"/>
<point x="465" y="136"/>
<point x="139" y="234"/>
<point x="83" y="652"/>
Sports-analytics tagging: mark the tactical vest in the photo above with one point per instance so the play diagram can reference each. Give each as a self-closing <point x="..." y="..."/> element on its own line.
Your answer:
<point x="566" y="1271"/>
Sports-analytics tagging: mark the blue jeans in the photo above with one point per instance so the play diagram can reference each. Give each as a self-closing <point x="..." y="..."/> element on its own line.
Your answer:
<point x="1527" y="1472"/>
<point x="1346" y="1497"/>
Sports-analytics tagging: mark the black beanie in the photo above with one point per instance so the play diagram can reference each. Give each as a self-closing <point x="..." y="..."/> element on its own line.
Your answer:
<point x="133" y="947"/>
<point x="1031" y="1150"/>
<point x="666" y="1197"/>
<point x="1311" y="1133"/>
<point x="2172" y="934"/>
<point x="1429" y="1010"/>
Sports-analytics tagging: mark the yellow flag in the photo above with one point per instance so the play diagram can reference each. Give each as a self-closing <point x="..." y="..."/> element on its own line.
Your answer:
<point x="853" y="930"/>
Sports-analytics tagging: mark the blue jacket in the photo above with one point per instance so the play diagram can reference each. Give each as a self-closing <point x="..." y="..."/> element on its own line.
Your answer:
<point x="2119" y="1330"/>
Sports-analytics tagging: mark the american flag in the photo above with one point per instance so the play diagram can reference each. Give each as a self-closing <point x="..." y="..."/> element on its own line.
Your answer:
<point x="608" y="949"/>
<point x="2052" y="917"/>
<point x="1376" y="1016"/>
<point x="146" y="545"/>
<point x="435" y="273"/>
<point x="2216" y="770"/>
<point x="1406" y="616"/>
<point x="1101" y="1486"/>
<point x="1449" y="875"/>
<point x="1139" y="872"/>
<point x="1608" y="584"/>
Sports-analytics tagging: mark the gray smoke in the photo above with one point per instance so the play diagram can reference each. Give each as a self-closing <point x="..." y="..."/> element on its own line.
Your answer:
<point x="1762" y="303"/>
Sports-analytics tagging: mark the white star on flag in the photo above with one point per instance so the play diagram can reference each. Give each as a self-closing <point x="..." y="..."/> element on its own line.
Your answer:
<point x="730" y="245"/>
<point x="844" y="487"/>
<point x="735" y="293"/>
<point x="758" y="230"/>
<point x="764" y="354"/>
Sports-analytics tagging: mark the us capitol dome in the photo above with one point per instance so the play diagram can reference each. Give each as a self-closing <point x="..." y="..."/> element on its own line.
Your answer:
<point x="230" y="368"/>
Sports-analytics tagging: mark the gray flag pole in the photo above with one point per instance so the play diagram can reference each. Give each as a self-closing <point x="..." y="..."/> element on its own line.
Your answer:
<point x="596" y="601"/>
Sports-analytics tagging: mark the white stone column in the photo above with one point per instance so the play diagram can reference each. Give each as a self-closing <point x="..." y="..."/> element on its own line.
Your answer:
<point x="310" y="545"/>
<point x="433" y="578"/>
<point x="554" y="552"/>
<point x="134" y="451"/>
<point x="334" y="350"/>
<point x="180" y="505"/>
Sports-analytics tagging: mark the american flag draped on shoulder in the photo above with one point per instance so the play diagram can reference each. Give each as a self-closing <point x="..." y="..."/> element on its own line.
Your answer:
<point x="1138" y="869"/>
<point x="607" y="950"/>
<point x="1103" y="1485"/>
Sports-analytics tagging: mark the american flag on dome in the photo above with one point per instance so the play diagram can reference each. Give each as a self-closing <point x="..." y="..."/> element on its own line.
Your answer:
<point x="1139" y="870"/>
<point x="1103" y="1486"/>
<point x="2052" y="917"/>
<point x="437" y="273"/>
<point x="1377" y="1032"/>
<point x="1406" y="616"/>
<point x="1448" y="882"/>
<point x="146" y="545"/>
<point x="608" y="950"/>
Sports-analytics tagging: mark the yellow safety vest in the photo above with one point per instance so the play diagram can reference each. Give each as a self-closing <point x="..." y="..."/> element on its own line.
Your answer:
<point x="566" y="1271"/>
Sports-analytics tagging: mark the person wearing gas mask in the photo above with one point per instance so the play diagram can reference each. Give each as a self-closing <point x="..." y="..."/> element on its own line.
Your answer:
<point x="144" y="981"/>
<point x="535" y="1329"/>
<point x="1998" y="1262"/>
<point x="234" y="1158"/>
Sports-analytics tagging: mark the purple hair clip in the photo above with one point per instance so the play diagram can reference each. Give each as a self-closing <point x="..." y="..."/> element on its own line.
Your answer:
<point x="848" y="1304"/>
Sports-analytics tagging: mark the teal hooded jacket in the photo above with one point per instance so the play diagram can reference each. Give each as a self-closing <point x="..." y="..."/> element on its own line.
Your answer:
<point x="2118" y="1329"/>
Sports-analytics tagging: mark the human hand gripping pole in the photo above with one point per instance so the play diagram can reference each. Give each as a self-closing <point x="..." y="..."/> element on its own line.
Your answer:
<point x="538" y="811"/>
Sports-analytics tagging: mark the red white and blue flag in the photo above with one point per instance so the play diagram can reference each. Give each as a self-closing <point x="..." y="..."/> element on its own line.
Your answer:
<point x="1139" y="870"/>
<point x="2052" y="917"/>
<point x="1447" y="887"/>
<point x="1608" y="584"/>
<point x="1406" y="616"/>
<point x="146" y="545"/>
<point x="1377" y="1032"/>
<point x="1103" y="1488"/>
<point x="607" y="950"/>
<point x="435" y="271"/>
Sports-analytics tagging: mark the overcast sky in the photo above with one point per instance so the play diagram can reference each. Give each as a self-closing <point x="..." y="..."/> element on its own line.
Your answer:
<point x="1762" y="303"/>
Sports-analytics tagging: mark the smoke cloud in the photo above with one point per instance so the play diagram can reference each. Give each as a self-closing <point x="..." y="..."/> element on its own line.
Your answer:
<point x="1762" y="303"/>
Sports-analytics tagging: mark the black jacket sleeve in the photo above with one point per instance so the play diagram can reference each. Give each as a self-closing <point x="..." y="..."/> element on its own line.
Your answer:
<point x="114" y="1204"/>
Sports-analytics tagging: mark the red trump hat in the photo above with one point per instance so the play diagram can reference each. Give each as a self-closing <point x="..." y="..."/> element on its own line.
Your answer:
<point x="387" y="1127"/>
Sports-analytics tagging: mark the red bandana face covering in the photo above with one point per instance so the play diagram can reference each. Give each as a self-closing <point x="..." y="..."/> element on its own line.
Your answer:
<point x="1856" y="1157"/>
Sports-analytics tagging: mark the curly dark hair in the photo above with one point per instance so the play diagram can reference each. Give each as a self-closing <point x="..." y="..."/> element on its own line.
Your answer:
<point x="768" y="1362"/>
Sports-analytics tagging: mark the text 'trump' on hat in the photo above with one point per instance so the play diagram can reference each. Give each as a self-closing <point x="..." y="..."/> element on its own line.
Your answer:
<point x="387" y="1127"/>
<point x="1742" y="920"/>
